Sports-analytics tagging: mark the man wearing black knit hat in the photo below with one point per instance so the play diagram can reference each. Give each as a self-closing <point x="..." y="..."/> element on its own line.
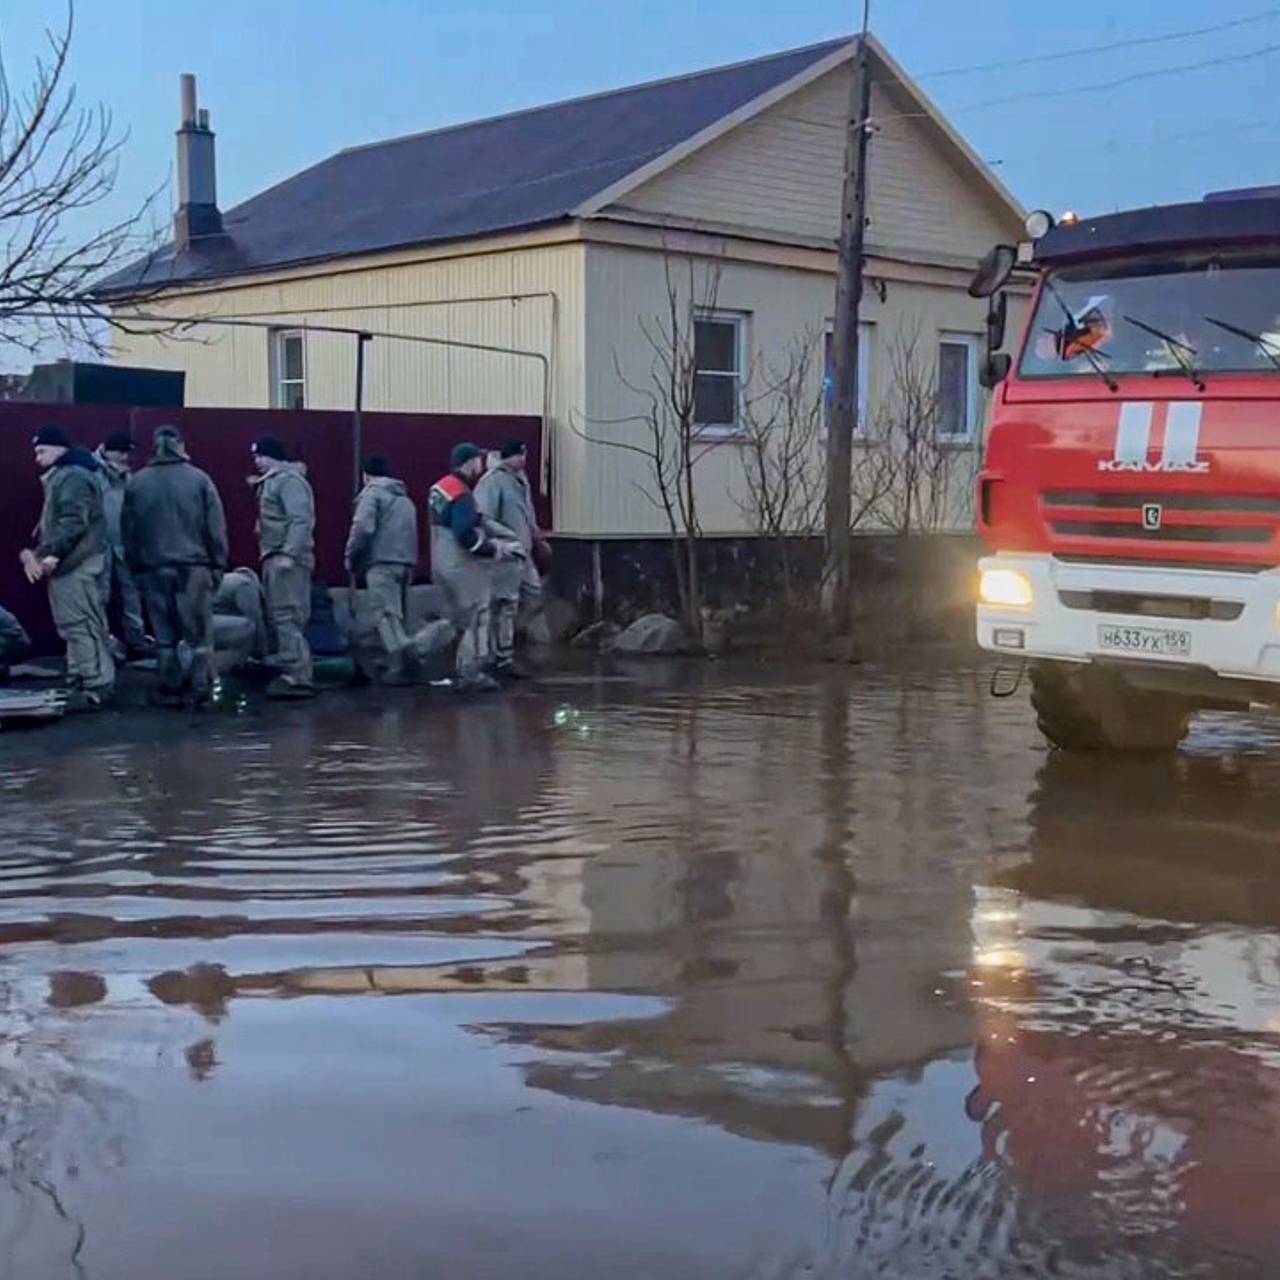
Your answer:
<point x="68" y="556"/>
<point x="286" y="541"/>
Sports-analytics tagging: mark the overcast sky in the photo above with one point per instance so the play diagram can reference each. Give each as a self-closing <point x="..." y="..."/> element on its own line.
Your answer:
<point x="288" y="83"/>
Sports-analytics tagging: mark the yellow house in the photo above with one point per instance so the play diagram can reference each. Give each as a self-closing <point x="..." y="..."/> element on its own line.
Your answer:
<point x="534" y="249"/>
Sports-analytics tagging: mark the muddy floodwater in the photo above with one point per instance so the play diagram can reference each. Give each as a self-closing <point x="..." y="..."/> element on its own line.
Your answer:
<point x="693" y="971"/>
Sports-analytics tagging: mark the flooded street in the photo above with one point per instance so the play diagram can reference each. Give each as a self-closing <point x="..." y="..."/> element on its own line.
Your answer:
<point x="691" y="971"/>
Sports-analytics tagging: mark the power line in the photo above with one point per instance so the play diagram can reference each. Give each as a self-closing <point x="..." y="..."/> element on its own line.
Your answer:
<point x="1104" y="85"/>
<point x="1101" y="146"/>
<point x="1137" y="42"/>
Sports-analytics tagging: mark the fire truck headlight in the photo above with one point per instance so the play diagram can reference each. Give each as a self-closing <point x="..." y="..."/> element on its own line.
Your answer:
<point x="1006" y="588"/>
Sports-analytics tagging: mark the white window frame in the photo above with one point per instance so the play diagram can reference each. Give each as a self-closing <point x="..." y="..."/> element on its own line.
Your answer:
<point x="972" y="343"/>
<point x="740" y="321"/>
<point x="279" y="382"/>
<point x="866" y="348"/>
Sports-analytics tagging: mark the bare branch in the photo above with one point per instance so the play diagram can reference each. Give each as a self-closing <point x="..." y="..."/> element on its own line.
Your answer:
<point x="665" y="432"/>
<point x="57" y="161"/>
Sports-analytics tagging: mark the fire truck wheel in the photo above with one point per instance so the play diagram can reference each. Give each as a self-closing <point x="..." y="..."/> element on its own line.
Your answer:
<point x="1081" y="708"/>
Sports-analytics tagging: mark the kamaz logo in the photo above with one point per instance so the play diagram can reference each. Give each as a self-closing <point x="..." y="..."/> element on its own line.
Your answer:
<point x="1181" y="440"/>
<point x="1152" y="516"/>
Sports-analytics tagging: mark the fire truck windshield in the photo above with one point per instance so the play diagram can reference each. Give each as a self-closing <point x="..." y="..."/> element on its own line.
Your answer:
<point x="1166" y="314"/>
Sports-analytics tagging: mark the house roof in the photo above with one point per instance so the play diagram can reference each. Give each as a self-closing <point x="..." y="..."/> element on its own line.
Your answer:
<point x="474" y="179"/>
<point x="506" y="173"/>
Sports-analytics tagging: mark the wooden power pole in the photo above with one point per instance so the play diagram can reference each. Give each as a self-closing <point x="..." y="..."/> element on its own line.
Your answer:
<point x="836" y="576"/>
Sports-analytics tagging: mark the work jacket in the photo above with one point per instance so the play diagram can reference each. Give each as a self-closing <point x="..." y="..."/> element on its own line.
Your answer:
<point x="384" y="529"/>
<point x="287" y="514"/>
<point x="172" y="514"/>
<point x="72" y="527"/>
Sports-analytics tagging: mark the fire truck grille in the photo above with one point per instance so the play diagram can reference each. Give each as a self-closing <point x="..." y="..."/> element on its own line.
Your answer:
<point x="1226" y="504"/>
<point x="1134" y="604"/>
<point x="1236" y="518"/>
<point x="1168" y="533"/>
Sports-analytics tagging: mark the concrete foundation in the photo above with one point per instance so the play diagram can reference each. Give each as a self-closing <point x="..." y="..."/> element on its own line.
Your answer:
<point x="915" y="587"/>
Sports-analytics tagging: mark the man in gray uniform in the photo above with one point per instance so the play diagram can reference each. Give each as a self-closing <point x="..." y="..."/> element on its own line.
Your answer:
<point x="175" y="540"/>
<point x="383" y="548"/>
<point x="504" y="495"/>
<point x="15" y="644"/>
<point x="113" y="457"/>
<point x="286" y="541"/>
<point x="69" y="557"/>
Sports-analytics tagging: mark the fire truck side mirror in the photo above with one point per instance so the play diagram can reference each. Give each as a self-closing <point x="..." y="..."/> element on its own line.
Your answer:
<point x="997" y="317"/>
<point x="994" y="269"/>
<point x="994" y="369"/>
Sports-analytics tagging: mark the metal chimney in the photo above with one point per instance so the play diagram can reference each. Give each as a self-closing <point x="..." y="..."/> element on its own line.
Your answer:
<point x="197" y="215"/>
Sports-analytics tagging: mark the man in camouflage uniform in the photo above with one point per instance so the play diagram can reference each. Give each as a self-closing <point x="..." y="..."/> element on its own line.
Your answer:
<point x="68" y="556"/>
<point x="286" y="542"/>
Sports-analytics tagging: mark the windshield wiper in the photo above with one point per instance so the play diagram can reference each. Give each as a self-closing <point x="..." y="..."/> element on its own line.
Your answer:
<point x="1249" y="336"/>
<point x="1071" y="328"/>
<point x="1176" y="348"/>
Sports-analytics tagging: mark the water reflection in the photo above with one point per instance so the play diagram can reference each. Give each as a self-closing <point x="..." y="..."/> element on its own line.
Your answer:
<point x="957" y="1004"/>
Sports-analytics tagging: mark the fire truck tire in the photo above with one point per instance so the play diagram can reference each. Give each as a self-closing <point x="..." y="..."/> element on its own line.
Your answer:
<point x="1081" y="708"/>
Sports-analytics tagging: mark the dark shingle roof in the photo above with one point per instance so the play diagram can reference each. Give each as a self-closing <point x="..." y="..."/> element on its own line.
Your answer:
<point x="475" y="179"/>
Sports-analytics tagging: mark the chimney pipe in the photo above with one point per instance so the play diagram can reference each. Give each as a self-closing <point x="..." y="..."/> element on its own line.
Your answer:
<point x="197" y="216"/>
<point x="188" y="83"/>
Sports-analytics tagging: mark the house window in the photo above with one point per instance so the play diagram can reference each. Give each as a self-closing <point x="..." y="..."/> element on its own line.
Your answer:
<point x="863" y="426"/>
<point x="719" y="360"/>
<point x="958" y="398"/>
<point x="288" y="369"/>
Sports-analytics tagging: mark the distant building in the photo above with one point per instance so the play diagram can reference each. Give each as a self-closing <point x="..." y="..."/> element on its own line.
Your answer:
<point x="546" y="231"/>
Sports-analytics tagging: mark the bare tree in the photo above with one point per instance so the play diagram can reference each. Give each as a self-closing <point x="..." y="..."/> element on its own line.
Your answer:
<point x="57" y="161"/>
<point x="669" y="438"/>
<point x="785" y="467"/>
<point x="782" y="450"/>
<point x="920" y="472"/>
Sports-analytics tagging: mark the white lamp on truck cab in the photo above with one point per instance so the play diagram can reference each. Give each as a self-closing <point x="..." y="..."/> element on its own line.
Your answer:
<point x="1039" y="223"/>
<point x="1006" y="588"/>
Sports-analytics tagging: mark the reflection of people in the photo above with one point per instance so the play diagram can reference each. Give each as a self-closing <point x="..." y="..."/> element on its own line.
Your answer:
<point x="68" y="555"/>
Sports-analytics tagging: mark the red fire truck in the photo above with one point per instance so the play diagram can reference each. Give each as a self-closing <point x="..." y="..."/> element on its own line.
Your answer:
<point x="1130" y="496"/>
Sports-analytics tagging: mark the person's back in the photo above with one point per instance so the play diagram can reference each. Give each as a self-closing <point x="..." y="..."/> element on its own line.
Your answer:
<point x="172" y="513"/>
<point x="383" y="547"/>
<point x="175" y="536"/>
<point x="384" y="529"/>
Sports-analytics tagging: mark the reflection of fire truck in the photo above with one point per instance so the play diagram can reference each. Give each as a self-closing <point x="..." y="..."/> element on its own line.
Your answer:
<point x="1131" y="493"/>
<point x="1126" y="1012"/>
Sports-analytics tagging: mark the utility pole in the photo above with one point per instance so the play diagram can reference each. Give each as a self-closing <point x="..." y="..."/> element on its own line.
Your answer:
<point x="836" y="576"/>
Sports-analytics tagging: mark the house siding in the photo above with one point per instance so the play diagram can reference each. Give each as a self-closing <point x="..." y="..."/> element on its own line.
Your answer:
<point x="626" y="293"/>
<point x="228" y="366"/>
<point x="782" y="173"/>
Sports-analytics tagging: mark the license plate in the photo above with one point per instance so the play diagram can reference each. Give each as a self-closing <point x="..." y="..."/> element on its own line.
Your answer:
<point x="1158" y="642"/>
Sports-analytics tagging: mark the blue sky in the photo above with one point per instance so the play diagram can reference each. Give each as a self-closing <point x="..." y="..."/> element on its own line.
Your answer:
<point x="287" y="82"/>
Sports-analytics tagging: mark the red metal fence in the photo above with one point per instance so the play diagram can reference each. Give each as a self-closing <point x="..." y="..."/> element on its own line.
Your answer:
<point x="415" y="445"/>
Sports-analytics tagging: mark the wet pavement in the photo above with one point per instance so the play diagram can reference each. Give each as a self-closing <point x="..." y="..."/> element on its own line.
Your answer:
<point x="689" y="971"/>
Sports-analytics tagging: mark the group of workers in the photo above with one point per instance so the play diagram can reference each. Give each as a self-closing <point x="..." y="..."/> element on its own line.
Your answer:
<point x="158" y="537"/>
